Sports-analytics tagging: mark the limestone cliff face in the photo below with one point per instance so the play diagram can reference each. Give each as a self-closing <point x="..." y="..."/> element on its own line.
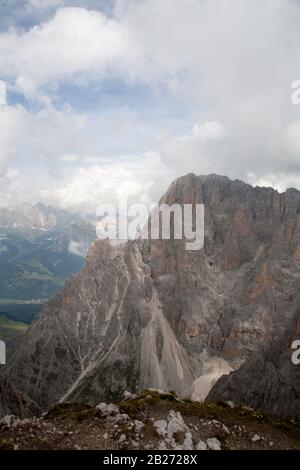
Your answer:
<point x="13" y="403"/>
<point x="10" y="400"/>
<point x="268" y="380"/>
<point x="152" y="314"/>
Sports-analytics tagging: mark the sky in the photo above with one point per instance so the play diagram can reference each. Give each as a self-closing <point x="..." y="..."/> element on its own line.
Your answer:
<point x="116" y="98"/>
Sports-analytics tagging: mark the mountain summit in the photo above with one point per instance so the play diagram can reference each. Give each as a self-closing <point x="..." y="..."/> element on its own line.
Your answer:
<point x="150" y="314"/>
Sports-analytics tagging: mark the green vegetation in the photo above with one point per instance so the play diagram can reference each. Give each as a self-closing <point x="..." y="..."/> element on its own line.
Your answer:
<point x="35" y="264"/>
<point x="10" y="328"/>
<point x="71" y="410"/>
<point x="20" y="312"/>
<point x="20" y="302"/>
<point x="219" y="411"/>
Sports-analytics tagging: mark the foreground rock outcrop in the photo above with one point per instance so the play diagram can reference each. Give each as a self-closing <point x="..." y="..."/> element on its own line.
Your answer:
<point x="10" y="400"/>
<point x="150" y="313"/>
<point x="13" y="403"/>
<point x="153" y="421"/>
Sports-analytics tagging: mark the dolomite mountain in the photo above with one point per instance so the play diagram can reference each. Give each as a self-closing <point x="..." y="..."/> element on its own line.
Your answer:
<point x="152" y="314"/>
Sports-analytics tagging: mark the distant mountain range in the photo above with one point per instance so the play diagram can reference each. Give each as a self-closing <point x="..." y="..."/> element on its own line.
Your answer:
<point x="40" y="246"/>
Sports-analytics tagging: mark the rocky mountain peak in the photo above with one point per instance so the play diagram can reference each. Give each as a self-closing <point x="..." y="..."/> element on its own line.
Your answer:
<point x="153" y="314"/>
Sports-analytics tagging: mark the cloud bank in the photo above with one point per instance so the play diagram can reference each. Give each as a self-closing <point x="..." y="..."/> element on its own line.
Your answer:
<point x="147" y="92"/>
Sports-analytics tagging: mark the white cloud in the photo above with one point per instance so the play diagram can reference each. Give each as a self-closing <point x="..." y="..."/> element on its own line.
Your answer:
<point x="32" y="136"/>
<point x="44" y="4"/>
<point x="74" y="41"/>
<point x="230" y="65"/>
<point x="50" y="137"/>
<point x="78" y="248"/>
<point x="2" y="93"/>
<point x="87" y="187"/>
<point x="10" y="183"/>
<point x="61" y="157"/>
<point x="12" y="174"/>
<point x="292" y="140"/>
<point x="279" y="181"/>
<point x="208" y="130"/>
<point x="69" y="158"/>
<point x="13" y="130"/>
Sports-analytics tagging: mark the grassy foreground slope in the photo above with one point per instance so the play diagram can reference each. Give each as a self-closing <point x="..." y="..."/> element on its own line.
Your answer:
<point x="10" y="328"/>
<point x="151" y="420"/>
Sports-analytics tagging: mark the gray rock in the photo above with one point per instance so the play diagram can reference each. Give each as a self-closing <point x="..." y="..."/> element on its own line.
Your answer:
<point x="188" y="442"/>
<point x="138" y="426"/>
<point x="122" y="438"/>
<point x="129" y="396"/>
<point x="201" y="446"/>
<point x="7" y="420"/>
<point x="151" y="314"/>
<point x="213" y="443"/>
<point x="268" y="382"/>
<point x="161" y="427"/>
<point x="13" y="402"/>
<point x="105" y="409"/>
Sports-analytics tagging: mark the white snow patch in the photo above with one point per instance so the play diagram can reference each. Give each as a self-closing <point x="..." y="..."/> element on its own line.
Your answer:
<point x="214" y="368"/>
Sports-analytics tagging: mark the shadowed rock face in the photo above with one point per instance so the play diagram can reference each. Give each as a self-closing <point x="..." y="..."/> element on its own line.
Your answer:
<point x="267" y="381"/>
<point x="10" y="400"/>
<point x="152" y="314"/>
<point x="263" y="385"/>
<point x="13" y="403"/>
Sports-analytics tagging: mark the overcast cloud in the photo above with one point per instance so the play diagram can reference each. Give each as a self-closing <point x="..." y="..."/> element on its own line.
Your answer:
<point x="125" y="95"/>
